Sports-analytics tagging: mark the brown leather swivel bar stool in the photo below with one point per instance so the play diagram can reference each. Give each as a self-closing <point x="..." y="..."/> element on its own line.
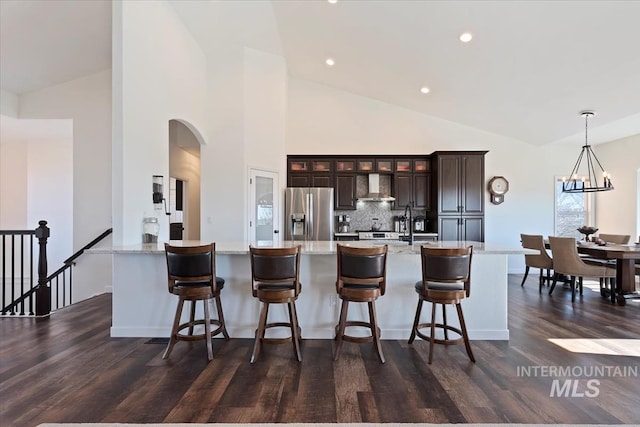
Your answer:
<point x="362" y="275"/>
<point x="446" y="279"/>
<point x="191" y="274"/>
<point x="275" y="276"/>
<point x="541" y="261"/>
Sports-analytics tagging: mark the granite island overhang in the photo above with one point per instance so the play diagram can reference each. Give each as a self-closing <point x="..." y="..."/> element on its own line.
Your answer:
<point x="143" y="307"/>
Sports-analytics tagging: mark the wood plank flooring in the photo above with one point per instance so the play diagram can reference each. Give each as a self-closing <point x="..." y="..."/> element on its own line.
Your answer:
<point x="67" y="369"/>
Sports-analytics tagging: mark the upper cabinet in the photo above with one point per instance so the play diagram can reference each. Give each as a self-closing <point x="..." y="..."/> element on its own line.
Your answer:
<point x="460" y="184"/>
<point x="459" y="195"/>
<point x="308" y="172"/>
<point x="366" y="165"/>
<point x="412" y="186"/>
<point x="384" y="165"/>
<point x="343" y="165"/>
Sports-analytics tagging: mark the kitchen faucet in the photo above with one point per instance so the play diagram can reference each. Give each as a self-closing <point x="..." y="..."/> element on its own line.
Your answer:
<point x="407" y="208"/>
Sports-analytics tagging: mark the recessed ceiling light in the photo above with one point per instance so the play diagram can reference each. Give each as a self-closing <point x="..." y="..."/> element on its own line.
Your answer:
<point x="465" y="37"/>
<point x="424" y="89"/>
<point x="333" y="1"/>
<point x="330" y="62"/>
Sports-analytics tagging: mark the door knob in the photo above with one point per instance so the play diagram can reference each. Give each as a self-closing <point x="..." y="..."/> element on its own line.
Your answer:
<point x="276" y="231"/>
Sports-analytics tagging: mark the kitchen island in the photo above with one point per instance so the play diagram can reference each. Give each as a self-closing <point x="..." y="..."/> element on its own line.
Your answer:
<point x="143" y="307"/>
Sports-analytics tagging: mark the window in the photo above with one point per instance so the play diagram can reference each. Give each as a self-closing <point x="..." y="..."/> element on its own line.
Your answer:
<point x="572" y="211"/>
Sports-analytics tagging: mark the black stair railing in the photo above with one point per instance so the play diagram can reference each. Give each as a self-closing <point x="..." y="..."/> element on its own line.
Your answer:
<point x="60" y="282"/>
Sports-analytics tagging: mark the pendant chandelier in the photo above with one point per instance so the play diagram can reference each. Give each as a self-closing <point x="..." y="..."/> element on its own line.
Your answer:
<point x="587" y="183"/>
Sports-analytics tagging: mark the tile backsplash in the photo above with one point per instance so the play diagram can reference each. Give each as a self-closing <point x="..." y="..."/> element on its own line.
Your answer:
<point x="362" y="217"/>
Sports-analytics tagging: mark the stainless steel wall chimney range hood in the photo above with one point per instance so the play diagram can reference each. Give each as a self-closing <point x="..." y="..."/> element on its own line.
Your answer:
<point x="374" y="194"/>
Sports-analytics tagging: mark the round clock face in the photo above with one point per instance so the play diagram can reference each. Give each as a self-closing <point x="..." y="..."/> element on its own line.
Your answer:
<point x="499" y="185"/>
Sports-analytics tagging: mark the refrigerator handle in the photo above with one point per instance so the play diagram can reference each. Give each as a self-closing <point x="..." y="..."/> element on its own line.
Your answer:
<point x="309" y="216"/>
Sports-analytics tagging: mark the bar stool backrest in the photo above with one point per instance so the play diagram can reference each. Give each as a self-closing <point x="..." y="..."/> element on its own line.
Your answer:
<point x="362" y="266"/>
<point x="191" y="265"/>
<point x="275" y="265"/>
<point x="447" y="265"/>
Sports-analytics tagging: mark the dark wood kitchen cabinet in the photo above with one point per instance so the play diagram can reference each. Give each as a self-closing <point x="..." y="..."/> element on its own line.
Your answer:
<point x="422" y="191"/>
<point x="307" y="172"/>
<point x="459" y="195"/>
<point x="461" y="228"/>
<point x="412" y="188"/>
<point x="402" y="189"/>
<point x="345" y="191"/>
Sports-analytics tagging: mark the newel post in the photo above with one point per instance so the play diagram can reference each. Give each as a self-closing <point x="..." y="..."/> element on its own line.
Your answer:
<point x="43" y="293"/>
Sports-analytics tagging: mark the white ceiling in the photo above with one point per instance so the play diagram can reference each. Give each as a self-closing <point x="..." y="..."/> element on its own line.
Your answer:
<point x="531" y="67"/>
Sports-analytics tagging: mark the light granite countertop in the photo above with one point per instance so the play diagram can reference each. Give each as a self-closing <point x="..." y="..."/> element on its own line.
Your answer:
<point x="315" y="247"/>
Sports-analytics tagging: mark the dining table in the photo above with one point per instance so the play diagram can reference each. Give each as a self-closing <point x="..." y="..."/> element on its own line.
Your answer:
<point x="625" y="257"/>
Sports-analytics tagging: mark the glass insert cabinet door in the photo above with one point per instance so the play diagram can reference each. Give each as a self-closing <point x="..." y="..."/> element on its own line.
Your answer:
<point x="264" y="215"/>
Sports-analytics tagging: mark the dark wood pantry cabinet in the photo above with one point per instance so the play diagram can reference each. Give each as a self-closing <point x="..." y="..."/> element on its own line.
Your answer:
<point x="459" y="195"/>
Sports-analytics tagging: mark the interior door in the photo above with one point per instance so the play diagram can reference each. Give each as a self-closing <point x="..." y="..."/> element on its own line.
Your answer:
<point x="177" y="191"/>
<point x="264" y="207"/>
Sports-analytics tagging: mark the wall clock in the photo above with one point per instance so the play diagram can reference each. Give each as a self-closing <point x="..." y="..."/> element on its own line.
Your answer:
<point x="498" y="186"/>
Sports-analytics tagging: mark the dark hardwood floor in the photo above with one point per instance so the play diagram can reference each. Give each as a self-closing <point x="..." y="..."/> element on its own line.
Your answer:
<point x="68" y="369"/>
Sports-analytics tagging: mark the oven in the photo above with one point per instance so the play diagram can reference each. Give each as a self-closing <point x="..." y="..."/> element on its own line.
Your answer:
<point x="378" y="235"/>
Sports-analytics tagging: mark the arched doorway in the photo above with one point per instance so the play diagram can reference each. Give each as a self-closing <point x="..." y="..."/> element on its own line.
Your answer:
<point x="184" y="181"/>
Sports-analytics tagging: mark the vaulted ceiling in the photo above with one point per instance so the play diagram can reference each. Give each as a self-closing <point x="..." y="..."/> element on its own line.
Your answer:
<point x="528" y="71"/>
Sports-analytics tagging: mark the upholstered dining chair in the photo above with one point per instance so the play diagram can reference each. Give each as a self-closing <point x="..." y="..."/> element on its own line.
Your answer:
<point x="618" y="239"/>
<point x="541" y="260"/>
<point x="567" y="261"/>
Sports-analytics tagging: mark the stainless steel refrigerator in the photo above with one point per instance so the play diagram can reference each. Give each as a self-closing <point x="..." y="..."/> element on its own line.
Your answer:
<point x="308" y="214"/>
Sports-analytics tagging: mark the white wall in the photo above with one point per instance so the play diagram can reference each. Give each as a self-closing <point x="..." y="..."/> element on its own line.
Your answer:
<point x="223" y="157"/>
<point x="36" y="183"/>
<point x="86" y="101"/>
<point x="323" y="120"/>
<point x="8" y="103"/>
<point x="247" y="115"/>
<point x="13" y="185"/>
<point x="50" y="196"/>
<point x="265" y="103"/>
<point x="160" y="74"/>
<point x="617" y="210"/>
